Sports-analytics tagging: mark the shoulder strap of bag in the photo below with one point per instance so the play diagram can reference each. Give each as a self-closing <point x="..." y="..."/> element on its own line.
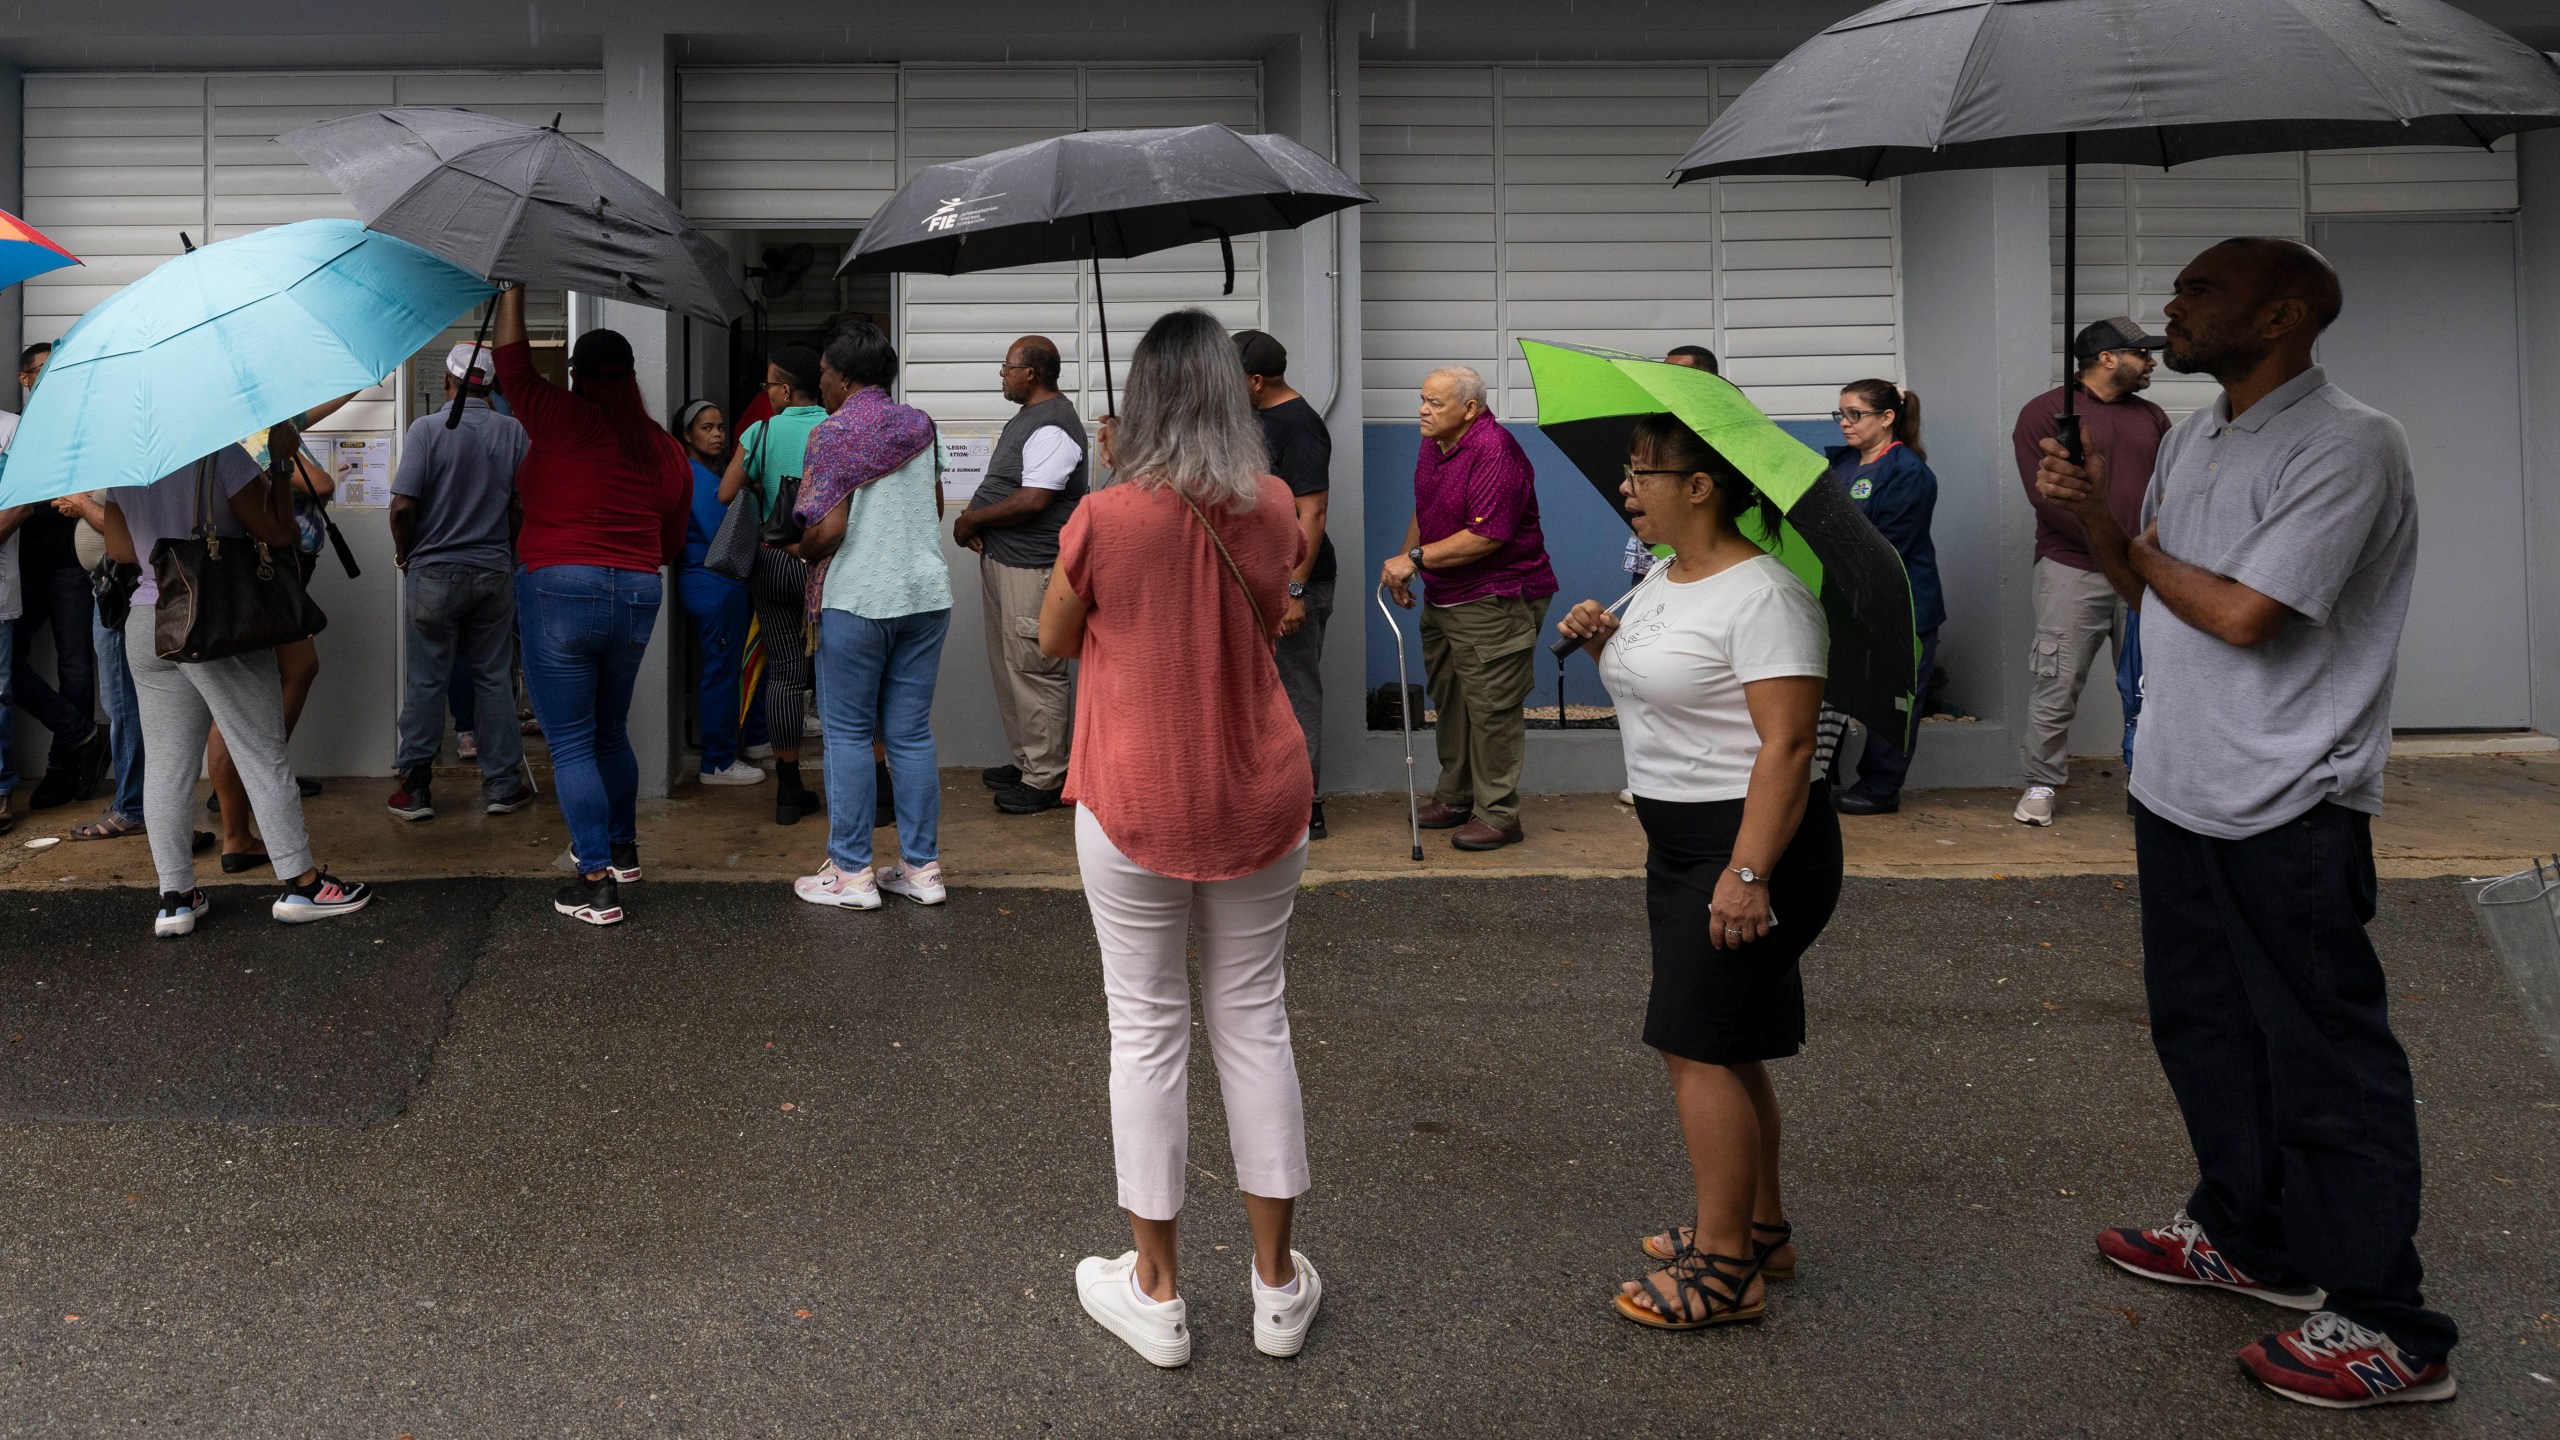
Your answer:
<point x="204" y="502"/>
<point x="1232" y="567"/>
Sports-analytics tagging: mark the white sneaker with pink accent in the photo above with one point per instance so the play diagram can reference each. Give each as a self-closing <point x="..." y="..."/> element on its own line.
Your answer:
<point x="920" y="883"/>
<point x="830" y="886"/>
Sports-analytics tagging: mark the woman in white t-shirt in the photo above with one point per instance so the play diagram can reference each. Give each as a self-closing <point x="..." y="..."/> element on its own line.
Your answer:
<point x="1717" y="670"/>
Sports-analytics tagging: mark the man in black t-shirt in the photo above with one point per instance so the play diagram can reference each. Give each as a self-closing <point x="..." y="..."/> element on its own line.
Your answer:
<point x="1302" y="455"/>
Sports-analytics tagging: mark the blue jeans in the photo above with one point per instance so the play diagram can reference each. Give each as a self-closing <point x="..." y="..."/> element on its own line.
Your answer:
<point x="461" y="619"/>
<point x="879" y="677"/>
<point x="721" y="611"/>
<point x="124" y="718"/>
<point x="585" y="630"/>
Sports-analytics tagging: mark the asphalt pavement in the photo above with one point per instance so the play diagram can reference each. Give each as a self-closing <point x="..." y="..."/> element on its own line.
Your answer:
<point x="744" y="1167"/>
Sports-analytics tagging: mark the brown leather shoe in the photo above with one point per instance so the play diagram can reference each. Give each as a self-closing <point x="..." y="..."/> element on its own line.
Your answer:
<point x="1477" y="835"/>
<point x="1436" y="816"/>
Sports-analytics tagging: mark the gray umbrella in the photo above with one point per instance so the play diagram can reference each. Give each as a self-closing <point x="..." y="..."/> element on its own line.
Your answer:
<point x="1917" y="85"/>
<point x="509" y="201"/>
<point x="1097" y="194"/>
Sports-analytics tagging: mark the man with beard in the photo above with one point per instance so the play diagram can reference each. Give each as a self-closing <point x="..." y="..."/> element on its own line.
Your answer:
<point x="2273" y="572"/>
<point x="2076" y="609"/>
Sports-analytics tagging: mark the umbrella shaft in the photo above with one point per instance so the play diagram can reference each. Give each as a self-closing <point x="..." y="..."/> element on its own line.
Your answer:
<point x="1101" y="317"/>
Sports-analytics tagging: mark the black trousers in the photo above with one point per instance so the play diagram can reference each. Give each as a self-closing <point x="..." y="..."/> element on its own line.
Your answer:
<point x="2270" y="1018"/>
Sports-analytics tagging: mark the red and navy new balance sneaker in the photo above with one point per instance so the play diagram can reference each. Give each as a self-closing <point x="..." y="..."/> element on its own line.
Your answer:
<point x="2337" y="1364"/>
<point x="2179" y="1254"/>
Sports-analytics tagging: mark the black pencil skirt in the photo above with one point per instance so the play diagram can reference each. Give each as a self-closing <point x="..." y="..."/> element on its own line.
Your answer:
<point x="1731" y="1007"/>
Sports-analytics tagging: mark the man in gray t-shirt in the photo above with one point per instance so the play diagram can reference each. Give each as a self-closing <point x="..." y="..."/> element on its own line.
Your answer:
<point x="453" y="524"/>
<point x="2273" y="574"/>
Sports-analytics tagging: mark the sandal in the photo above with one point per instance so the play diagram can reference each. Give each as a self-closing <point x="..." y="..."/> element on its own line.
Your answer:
<point x="1690" y="1275"/>
<point x="1662" y="1248"/>
<point x="106" y="827"/>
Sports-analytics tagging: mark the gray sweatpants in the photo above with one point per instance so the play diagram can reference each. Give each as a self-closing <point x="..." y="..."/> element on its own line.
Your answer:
<point x="1301" y="661"/>
<point x="244" y="695"/>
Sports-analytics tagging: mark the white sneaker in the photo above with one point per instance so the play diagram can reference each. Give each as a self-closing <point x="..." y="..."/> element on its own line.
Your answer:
<point x="1157" y="1332"/>
<point x="830" y="886"/>
<point x="758" y="752"/>
<point x="920" y="883"/>
<point x="2035" y="807"/>
<point x="738" y="772"/>
<point x="179" y="913"/>
<point x="1626" y="797"/>
<point x="810" y="727"/>
<point x="1280" y="1319"/>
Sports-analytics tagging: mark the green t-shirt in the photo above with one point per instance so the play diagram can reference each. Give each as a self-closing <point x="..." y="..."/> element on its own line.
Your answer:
<point x="774" y="447"/>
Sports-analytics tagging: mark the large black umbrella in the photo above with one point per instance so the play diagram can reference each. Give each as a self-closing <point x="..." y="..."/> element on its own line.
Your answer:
<point x="510" y="201"/>
<point x="1918" y="85"/>
<point x="1097" y="194"/>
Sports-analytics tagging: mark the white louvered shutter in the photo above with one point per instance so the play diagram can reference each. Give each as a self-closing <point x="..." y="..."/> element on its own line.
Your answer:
<point x="115" y="168"/>
<point x="1430" y="288"/>
<point x="765" y="146"/>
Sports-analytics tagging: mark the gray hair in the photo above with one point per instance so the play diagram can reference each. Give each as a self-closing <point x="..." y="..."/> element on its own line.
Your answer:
<point x="1190" y="422"/>
<point x="1463" y="379"/>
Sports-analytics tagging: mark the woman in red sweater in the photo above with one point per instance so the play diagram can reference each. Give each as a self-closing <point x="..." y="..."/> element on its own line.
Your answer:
<point x="1190" y="781"/>
<point x="605" y="493"/>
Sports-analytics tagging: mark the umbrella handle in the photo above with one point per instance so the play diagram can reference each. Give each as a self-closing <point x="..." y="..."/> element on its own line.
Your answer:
<point x="1564" y="645"/>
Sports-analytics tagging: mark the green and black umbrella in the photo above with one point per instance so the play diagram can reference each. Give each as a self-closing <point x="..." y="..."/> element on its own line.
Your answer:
<point x="1589" y="401"/>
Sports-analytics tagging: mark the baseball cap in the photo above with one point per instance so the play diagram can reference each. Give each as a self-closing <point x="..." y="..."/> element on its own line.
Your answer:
<point x="459" y="361"/>
<point x="2117" y="333"/>
<point x="1262" y="353"/>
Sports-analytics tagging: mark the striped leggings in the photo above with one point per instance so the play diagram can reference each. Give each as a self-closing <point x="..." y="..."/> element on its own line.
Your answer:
<point x="779" y="592"/>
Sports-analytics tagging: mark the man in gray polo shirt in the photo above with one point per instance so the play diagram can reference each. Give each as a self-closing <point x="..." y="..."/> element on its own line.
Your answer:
<point x="2273" y="574"/>
<point x="453" y="524"/>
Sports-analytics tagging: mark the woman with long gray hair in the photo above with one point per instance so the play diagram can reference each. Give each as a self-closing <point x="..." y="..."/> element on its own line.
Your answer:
<point x="1192" y="791"/>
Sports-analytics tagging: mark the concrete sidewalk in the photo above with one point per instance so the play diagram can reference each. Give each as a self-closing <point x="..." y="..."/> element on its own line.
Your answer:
<point x="2445" y="815"/>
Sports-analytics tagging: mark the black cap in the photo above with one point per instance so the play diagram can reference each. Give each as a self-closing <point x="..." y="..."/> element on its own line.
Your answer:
<point x="601" y="352"/>
<point x="2118" y="333"/>
<point x="800" y="363"/>
<point x="1262" y="353"/>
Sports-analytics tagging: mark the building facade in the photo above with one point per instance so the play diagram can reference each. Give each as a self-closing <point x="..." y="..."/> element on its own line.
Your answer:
<point x="1519" y="155"/>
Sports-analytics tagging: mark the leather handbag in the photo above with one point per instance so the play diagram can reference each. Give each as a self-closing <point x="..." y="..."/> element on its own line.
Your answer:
<point x="224" y="595"/>
<point x="782" y="525"/>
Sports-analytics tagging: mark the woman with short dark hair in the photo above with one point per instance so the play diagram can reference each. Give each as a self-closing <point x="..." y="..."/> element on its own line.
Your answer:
<point x="605" y="495"/>
<point x="770" y="451"/>
<point x="1718" y="671"/>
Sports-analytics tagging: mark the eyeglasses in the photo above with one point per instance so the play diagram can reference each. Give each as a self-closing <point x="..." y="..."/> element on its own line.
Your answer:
<point x="1855" y="416"/>
<point x="777" y="384"/>
<point x="1011" y="365"/>
<point x="1632" y="472"/>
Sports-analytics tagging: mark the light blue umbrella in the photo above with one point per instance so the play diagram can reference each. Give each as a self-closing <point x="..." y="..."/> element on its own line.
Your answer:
<point x="222" y="341"/>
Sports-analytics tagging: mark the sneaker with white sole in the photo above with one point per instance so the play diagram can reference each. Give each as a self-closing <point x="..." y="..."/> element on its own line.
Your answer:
<point x="758" y="752"/>
<point x="509" y="803"/>
<point x="625" y="864"/>
<point x="1281" y="1317"/>
<point x="736" y="772"/>
<point x="597" y="901"/>
<point x="2035" y="807"/>
<point x="830" y="886"/>
<point x="1157" y="1330"/>
<point x="325" y="898"/>
<point x="179" y="913"/>
<point x="2179" y="1253"/>
<point x="920" y="883"/>
<point x="2337" y="1364"/>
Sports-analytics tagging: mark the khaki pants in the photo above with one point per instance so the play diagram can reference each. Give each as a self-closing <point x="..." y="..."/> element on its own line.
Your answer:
<point x="1479" y="660"/>
<point x="1033" y="694"/>
<point x="2076" y="612"/>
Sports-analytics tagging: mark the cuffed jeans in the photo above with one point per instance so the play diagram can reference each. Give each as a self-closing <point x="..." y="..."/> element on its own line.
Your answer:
<point x="586" y="628"/>
<point x="244" y="694"/>
<point x="124" y="718"/>
<point x="2076" y="612"/>
<point x="66" y="706"/>
<point x="2270" y="1015"/>
<point x="879" y="681"/>
<point x="1300" y="657"/>
<point x="1140" y="920"/>
<point x="462" y="619"/>
<point x="1480" y="659"/>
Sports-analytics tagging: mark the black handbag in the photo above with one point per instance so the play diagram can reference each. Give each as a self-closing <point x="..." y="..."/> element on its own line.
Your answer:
<point x="782" y="525"/>
<point x="223" y="595"/>
<point x="111" y="585"/>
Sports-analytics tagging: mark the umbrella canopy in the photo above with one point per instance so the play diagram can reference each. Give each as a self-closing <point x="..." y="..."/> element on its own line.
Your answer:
<point x="509" y="201"/>
<point x="220" y="342"/>
<point x="1589" y="401"/>
<point x="1918" y="85"/>
<point x="24" y="251"/>
<point x="1099" y="194"/>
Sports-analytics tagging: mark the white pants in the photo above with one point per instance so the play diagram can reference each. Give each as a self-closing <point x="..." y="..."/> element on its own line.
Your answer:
<point x="1140" y="919"/>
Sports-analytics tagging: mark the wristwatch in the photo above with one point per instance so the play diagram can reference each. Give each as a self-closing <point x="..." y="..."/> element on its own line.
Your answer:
<point x="1297" y="591"/>
<point x="1415" y="555"/>
<point x="1748" y="877"/>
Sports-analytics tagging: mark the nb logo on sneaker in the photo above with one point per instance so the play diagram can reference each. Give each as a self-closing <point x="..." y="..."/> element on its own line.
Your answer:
<point x="2377" y="1375"/>
<point x="2209" y="1265"/>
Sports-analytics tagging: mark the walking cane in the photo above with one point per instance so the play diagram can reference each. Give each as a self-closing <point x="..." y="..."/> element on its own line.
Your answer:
<point x="1404" y="715"/>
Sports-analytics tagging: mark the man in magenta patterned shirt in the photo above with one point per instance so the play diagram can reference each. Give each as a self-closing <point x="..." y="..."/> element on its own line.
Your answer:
<point x="1474" y="541"/>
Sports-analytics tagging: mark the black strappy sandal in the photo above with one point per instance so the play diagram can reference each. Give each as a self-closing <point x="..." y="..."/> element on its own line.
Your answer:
<point x="1663" y="1246"/>
<point x="1690" y="1275"/>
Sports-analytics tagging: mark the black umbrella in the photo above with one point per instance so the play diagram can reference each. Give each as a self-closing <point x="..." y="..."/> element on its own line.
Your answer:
<point x="1098" y="193"/>
<point x="1919" y="85"/>
<point x="509" y="201"/>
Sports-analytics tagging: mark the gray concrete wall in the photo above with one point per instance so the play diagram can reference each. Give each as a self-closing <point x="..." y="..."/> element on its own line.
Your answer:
<point x="1977" y="303"/>
<point x="2538" y="280"/>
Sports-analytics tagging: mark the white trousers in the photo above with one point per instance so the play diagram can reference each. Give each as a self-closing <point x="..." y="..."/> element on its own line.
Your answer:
<point x="1140" y="919"/>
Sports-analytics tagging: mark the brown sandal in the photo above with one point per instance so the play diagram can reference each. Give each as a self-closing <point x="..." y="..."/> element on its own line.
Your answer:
<point x="106" y="827"/>
<point x="1692" y="1274"/>
<point x="1662" y="1248"/>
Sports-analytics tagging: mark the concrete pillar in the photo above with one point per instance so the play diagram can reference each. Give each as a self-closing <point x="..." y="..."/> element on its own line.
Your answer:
<point x="639" y="136"/>
<point x="1977" y="315"/>
<point x="2538" y="274"/>
<point x="13" y="113"/>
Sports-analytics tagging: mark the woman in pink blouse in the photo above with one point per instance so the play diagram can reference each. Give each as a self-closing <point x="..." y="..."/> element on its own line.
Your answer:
<point x="1190" y="781"/>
